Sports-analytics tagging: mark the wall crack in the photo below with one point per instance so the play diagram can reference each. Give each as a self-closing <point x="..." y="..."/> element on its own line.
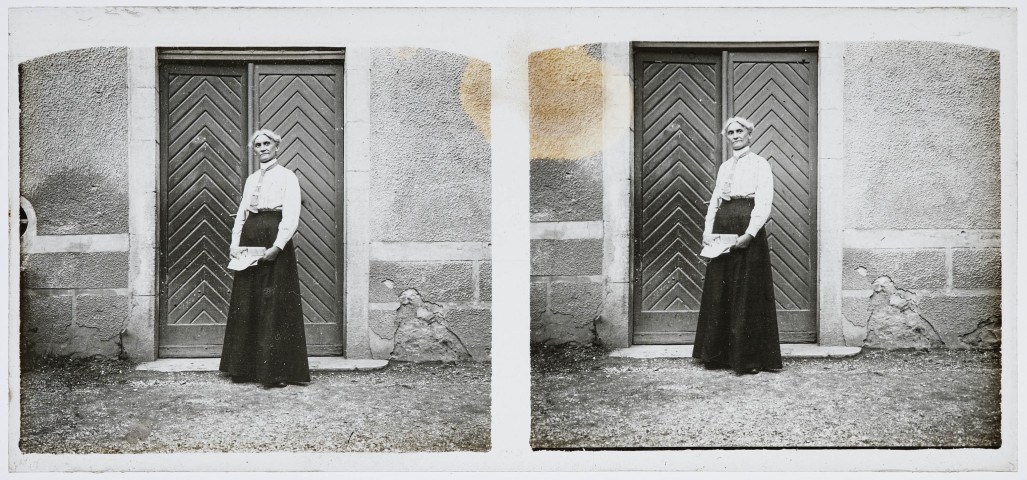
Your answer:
<point x="421" y="333"/>
<point x="895" y="321"/>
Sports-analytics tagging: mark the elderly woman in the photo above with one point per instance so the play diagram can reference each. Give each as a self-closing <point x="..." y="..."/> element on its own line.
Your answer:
<point x="737" y="325"/>
<point x="264" y="338"/>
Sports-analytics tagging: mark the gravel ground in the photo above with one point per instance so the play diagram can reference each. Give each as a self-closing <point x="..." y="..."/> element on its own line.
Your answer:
<point x="108" y="407"/>
<point x="582" y="398"/>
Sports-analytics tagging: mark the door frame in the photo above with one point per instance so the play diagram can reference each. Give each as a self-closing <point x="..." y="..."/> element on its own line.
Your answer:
<point x="216" y="55"/>
<point x="637" y="52"/>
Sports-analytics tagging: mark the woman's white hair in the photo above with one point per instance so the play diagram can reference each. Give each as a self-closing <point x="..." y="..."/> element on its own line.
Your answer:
<point x="267" y="133"/>
<point x="744" y="122"/>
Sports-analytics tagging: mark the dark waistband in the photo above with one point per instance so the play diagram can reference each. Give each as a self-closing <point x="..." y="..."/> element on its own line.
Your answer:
<point x="266" y="210"/>
<point x="740" y="199"/>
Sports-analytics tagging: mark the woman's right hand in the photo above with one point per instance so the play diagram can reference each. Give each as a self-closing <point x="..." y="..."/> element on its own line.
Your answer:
<point x="235" y="252"/>
<point x="707" y="239"/>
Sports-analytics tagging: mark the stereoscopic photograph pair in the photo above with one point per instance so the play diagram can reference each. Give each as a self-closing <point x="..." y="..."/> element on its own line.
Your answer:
<point x="237" y="242"/>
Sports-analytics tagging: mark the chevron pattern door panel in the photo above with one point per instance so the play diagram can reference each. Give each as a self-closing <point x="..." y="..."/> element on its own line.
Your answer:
<point x="777" y="91"/>
<point x="303" y="104"/>
<point x="204" y="146"/>
<point x="681" y="101"/>
<point x="207" y="113"/>
<point x="679" y="147"/>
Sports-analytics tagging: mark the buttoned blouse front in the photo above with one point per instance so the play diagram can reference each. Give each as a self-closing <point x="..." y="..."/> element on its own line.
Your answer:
<point x="280" y="190"/>
<point x="744" y="175"/>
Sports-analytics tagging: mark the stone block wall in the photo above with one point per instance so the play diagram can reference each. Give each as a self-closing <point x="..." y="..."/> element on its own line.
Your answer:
<point x="75" y="136"/>
<point x="922" y="195"/>
<point x="430" y="218"/>
<point x="566" y="198"/>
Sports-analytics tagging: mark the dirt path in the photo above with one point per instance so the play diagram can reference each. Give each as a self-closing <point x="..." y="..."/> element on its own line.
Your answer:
<point x="111" y="408"/>
<point x="583" y="399"/>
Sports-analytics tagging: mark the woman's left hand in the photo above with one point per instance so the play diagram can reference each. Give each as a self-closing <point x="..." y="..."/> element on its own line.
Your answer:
<point x="271" y="254"/>
<point x="743" y="241"/>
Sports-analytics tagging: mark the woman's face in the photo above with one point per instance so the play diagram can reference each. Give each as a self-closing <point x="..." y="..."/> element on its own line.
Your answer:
<point x="264" y="148"/>
<point x="738" y="136"/>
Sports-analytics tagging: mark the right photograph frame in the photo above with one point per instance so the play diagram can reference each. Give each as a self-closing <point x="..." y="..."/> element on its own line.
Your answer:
<point x="857" y="299"/>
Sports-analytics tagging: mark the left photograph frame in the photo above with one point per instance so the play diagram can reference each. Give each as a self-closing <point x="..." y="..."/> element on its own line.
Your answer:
<point x="141" y="172"/>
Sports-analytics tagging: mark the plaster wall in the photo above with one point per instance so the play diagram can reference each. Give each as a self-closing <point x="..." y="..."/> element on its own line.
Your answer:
<point x="430" y="160"/>
<point x="922" y="190"/>
<point x="75" y="142"/>
<point x="921" y="121"/>
<point x="566" y="102"/>
<point x="428" y="157"/>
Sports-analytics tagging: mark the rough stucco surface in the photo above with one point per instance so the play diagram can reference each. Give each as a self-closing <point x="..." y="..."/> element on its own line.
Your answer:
<point x="987" y="335"/>
<point x="51" y="328"/>
<point x="74" y="140"/>
<point x="908" y="269"/>
<point x="567" y="257"/>
<point x="953" y="317"/>
<point x="567" y="190"/>
<point x="45" y="321"/>
<point x="436" y="282"/>
<point x="485" y="281"/>
<point x="976" y="268"/>
<point x="856" y="310"/>
<point x="565" y="91"/>
<point x="921" y="122"/>
<point x="568" y="93"/>
<point x="75" y="270"/>
<point x="573" y="310"/>
<point x="430" y="164"/>
<point x="856" y="314"/>
<point x="473" y="326"/>
<point x="539" y="303"/>
<point x="382" y="323"/>
<point x="108" y="314"/>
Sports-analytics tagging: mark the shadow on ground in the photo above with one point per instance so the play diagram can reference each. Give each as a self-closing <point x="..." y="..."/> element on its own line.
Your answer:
<point x="581" y="398"/>
<point x="108" y="407"/>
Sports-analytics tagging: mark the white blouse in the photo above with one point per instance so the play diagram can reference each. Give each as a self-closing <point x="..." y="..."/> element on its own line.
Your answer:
<point x="745" y="174"/>
<point x="280" y="190"/>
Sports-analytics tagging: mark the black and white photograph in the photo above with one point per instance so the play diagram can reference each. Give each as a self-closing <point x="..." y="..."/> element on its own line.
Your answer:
<point x="750" y="244"/>
<point x="442" y="238"/>
<point x="265" y="247"/>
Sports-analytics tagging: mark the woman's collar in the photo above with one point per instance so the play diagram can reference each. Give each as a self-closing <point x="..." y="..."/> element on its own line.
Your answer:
<point x="740" y="153"/>
<point x="269" y="164"/>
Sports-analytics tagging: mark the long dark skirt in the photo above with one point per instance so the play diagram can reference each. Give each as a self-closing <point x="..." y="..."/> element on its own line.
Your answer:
<point x="737" y="326"/>
<point x="264" y="340"/>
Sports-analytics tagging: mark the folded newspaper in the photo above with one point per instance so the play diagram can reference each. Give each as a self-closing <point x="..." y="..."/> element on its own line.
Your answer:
<point x="246" y="257"/>
<point x="721" y="243"/>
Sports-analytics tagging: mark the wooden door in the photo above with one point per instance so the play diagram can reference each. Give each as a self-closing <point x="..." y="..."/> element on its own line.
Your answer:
<point x="777" y="91"/>
<point x="682" y="99"/>
<point x="207" y="113"/>
<point x="303" y="104"/>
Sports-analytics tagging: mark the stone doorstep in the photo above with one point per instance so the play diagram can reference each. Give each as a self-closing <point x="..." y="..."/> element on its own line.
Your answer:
<point x="788" y="350"/>
<point x="211" y="364"/>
